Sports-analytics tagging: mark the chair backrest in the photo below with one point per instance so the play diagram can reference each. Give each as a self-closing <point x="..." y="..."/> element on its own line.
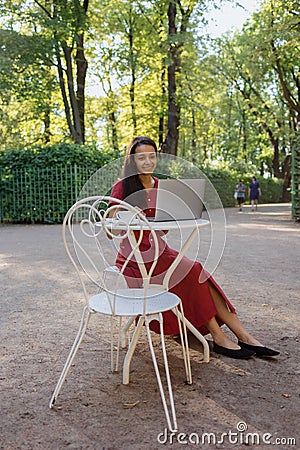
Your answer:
<point x="94" y="230"/>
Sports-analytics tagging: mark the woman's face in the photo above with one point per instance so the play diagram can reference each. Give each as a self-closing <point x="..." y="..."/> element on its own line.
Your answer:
<point x="145" y="159"/>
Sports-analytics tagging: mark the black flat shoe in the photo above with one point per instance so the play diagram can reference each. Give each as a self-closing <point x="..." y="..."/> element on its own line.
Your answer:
<point x="260" y="352"/>
<point x="242" y="353"/>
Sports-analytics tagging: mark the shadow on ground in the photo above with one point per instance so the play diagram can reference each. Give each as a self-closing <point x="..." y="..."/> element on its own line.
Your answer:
<point x="40" y="312"/>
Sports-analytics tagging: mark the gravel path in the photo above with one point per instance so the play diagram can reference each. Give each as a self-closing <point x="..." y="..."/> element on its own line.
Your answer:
<point x="40" y="312"/>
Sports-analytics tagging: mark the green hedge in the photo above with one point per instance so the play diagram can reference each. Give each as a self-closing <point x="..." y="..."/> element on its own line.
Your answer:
<point x="39" y="184"/>
<point x="225" y="182"/>
<point x="53" y="155"/>
<point x="40" y="194"/>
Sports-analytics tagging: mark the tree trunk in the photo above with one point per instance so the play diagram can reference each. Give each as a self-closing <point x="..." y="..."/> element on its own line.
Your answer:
<point x="132" y="102"/>
<point x="277" y="170"/>
<point x="133" y="74"/>
<point x="64" y="94"/>
<point x="76" y="129"/>
<point x="74" y="103"/>
<point x="176" y="35"/>
<point x="161" y="121"/>
<point x="244" y="136"/>
<point x="81" y="64"/>
<point x="294" y="104"/>
<point x="113" y="126"/>
<point x="194" y="137"/>
<point x="46" y="120"/>
<point x="286" y="170"/>
<point x="171" y="141"/>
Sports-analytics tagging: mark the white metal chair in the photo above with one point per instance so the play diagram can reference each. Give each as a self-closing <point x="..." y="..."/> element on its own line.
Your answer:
<point x="92" y="237"/>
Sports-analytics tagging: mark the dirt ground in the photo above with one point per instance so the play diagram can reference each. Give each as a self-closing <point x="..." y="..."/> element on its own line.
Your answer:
<point x="40" y="313"/>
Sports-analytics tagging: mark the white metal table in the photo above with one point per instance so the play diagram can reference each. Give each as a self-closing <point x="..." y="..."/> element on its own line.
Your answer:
<point x="190" y="224"/>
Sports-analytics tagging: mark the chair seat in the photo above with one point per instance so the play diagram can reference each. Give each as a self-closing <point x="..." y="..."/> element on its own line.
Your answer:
<point x="130" y="302"/>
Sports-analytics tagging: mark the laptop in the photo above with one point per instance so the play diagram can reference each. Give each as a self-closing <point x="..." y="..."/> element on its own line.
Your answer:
<point x="179" y="200"/>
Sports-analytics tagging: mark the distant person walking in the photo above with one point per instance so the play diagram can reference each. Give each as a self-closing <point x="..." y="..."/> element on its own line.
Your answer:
<point x="254" y="193"/>
<point x="240" y="194"/>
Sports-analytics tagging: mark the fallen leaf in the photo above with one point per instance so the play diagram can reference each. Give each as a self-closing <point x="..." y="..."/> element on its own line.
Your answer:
<point x="130" y="405"/>
<point x="286" y="395"/>
<point x="265" y="304"/>
<point x="239" y="372"/>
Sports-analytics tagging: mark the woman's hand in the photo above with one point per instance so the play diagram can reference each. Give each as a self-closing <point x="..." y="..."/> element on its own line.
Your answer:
<point x="162" y="232"/>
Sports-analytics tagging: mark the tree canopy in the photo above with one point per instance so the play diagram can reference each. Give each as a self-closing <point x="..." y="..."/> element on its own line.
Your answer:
<point x="101" y="72"/>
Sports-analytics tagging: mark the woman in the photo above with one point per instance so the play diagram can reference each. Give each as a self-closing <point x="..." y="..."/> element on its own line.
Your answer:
<point x="205" y="304"/>
<point x="254" y="193"/>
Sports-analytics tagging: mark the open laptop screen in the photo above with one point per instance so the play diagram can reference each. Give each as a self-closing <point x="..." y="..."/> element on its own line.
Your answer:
<point x="179" y="199"/>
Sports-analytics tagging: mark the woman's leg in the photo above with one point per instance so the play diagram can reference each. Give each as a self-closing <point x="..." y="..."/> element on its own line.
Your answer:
<point x="231" y="320"/>
<point x="218" y="336"/>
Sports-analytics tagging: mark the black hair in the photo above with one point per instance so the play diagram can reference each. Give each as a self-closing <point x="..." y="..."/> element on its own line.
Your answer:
<point x="131" y="179"/>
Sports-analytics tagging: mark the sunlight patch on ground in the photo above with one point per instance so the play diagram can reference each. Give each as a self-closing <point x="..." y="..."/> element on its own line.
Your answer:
<point x="3" y="260"/>
<point x="256" y="225"/>
<point x="274" y="213"/>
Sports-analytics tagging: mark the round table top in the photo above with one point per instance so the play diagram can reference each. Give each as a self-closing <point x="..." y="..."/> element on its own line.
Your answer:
<point x="160" y="226"/>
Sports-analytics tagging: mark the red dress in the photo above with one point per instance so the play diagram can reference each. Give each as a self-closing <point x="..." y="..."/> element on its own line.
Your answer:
<point x="196" y="298"/>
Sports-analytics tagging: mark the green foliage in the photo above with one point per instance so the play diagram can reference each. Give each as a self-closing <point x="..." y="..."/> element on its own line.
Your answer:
<point x="238" y="95"/>
<point x="61" y="154"/>
<point x="40" y="194"/>
<point x="224" y="182"/>
<point x="271" y="190"/>
<point x="41" y="183"/>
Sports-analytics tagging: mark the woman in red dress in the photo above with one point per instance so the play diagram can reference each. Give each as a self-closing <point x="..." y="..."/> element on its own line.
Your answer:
<point x="205" y="304"/>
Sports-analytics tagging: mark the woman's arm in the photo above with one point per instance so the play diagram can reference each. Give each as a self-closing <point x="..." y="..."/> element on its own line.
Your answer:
<point x="117" y="193"/>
